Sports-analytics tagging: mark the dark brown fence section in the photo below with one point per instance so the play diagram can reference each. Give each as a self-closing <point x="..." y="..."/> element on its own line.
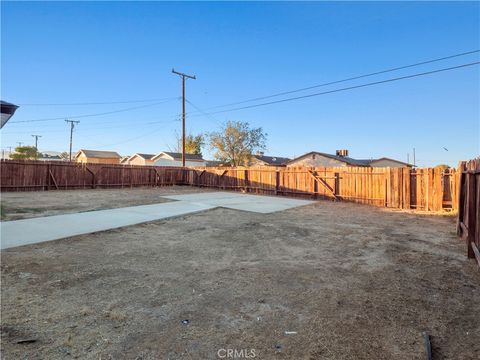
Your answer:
<point x="39" y="175"/>
<point x="401" y="188"/>
<point x="468" y="224"/>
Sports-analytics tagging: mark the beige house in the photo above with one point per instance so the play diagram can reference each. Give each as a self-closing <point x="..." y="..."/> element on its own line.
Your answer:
<point x="175" y="159"/>
<point x="97" y="157"/>
<point x="341" y="159"/>
<point x="140" y="159"/>
<point x="124" y="160"/>
<point x="315" y="158"/>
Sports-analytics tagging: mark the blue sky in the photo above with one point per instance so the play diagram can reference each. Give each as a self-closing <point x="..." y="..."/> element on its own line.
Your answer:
<point x="74" y="52"/>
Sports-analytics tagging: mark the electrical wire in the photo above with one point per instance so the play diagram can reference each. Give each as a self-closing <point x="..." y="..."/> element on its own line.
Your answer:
<point x="347" y="79"/>
<point x="96" y="103"/>
<point x="348" y="88"/>
<point x="210" y="116"/>
<point x="90" y="115"/>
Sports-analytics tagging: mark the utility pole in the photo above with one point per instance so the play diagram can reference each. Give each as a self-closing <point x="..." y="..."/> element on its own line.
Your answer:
<point x="408" y="158"/>
<point x="19" y="143"/>
<point x="36" y="140"/>
<point x="414" y="158"/>
<point x="184" y="76"/>
<point x="72" y="125"/>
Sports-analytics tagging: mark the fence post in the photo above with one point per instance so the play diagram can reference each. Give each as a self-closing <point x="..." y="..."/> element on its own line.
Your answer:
<point x="247" y="183"/>
<point x="314" y="183"/>
<point x="277" y="181"/>
<point x="387" y="187"/>
<point x="48" y="177"/>
<point x="471" y="213"/>
<point x="337" y="184"/>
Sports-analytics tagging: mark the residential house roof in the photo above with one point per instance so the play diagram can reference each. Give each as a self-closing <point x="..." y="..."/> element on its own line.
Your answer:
<point x="388" y="159"/>
<point x="99" y="154"/>
<point x="344" y="159"/>
<point x="143" y="156"/>
<point x="349" y="160"/>
<point x="178" y="156"/>
<point x="272" y="160"/>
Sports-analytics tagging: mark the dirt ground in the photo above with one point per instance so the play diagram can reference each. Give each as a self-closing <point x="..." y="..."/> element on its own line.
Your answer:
<point x="24" y="205"/>
<point x="350" y="281"/>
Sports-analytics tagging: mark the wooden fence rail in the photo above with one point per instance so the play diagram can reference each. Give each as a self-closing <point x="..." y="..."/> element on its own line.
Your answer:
<point x="402" y="188"/>
<point x="468" y="224"/>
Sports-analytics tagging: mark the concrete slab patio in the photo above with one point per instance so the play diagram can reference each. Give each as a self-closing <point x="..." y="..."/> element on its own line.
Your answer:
<point x="40" y="229"/>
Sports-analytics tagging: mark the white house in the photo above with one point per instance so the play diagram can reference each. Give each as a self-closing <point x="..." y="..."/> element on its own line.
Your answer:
<point x="175" y="159"/>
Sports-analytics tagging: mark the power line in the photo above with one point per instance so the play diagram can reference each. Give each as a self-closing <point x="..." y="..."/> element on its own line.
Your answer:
<point x="95" y="127"/>
<point x="203" y="112"/>
<point x="131" y="139"/>
<point x="91" y="115"/>
<point x="96" y="103"/>
<point x="347" y="79"/>
<point x="348" y="88"/>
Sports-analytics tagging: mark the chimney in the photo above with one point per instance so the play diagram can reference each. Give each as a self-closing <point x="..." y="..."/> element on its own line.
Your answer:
<point x="342" y="152"/>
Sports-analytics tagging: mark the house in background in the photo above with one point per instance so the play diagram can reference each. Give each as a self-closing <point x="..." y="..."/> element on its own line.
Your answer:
<point x="341" y="159"/>
<point x="97" y="157"/>
<point x="166" y="158"/>
<point x="261" y="160"/>
<point x="140" y="159"/>
<point x="124" y="160"/>
<point x="387" y="162"/>
<point x="315" y="158"/>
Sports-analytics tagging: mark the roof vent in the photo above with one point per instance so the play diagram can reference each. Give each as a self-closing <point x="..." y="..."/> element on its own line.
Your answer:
<point x="342" y="153"/>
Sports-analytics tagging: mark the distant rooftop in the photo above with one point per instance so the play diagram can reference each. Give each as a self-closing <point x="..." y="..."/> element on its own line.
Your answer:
<point x="178" y="156"/>
<point x="272" y="160"/>
<point x="146" y="156"/>
<point x="99" y="154"/>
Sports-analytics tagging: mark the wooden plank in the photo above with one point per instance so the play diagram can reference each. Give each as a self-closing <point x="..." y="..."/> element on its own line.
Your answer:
<point x="53" y="179"/>
<point x="324" y="183"/>
<point x="476" y="252"/>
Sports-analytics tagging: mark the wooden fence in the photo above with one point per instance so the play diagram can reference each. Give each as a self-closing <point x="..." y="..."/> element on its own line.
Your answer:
<point x="402" y="188"/>
<point x="40" y="175"/>
<point x="468" y="224"/>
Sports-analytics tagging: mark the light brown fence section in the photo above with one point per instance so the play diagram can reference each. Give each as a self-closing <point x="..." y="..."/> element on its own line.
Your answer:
<point x="468" y="224"/>
<point x="402" y="188"/>
<point x="40" y="175"/>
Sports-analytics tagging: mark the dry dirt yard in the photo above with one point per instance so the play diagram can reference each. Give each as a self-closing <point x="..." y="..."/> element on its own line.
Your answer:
<point x="24" y="205"/>
<point x="352" y="282"/>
